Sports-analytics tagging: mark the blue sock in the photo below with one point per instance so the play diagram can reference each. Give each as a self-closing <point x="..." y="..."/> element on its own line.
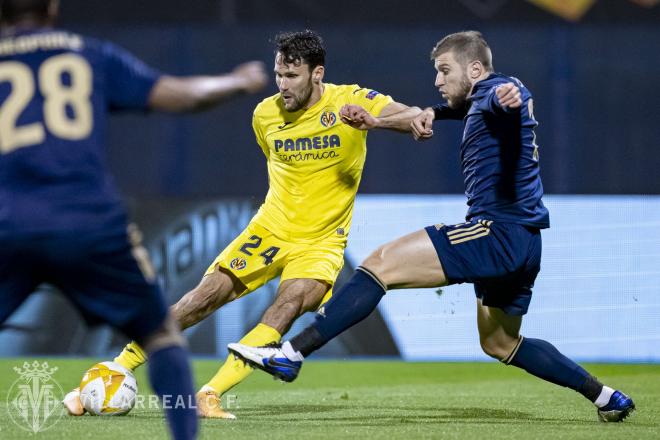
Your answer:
<point x="170" y="375"/>
<point x="348" y="306"/>
<point x="543" y="360"/>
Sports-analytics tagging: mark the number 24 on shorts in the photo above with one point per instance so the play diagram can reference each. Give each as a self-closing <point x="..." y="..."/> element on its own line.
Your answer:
<point x="254" y="243"/>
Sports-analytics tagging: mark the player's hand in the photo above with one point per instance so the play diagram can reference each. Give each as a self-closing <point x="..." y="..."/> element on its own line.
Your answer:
<point x="508" y="95"/>
<point x="357" y="117"/>
<point x="252" y="76"/>
<point x="422" y="125"/>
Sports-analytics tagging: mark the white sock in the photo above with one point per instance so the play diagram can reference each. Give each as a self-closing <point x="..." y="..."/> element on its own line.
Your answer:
<point x="604" y="397"/>
<point x="290" y="353"/>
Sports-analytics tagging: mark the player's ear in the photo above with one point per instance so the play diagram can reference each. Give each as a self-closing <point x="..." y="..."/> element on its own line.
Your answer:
<point x="317" y="74"/>
<point x="475" y="69"/>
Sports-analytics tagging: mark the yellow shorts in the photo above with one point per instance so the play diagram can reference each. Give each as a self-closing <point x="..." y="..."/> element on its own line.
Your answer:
<point x="257" y="256"/>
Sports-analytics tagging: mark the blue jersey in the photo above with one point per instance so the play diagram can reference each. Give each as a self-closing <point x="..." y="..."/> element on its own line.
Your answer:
<point x="499" y="156"/>
<point x="56" y="89"/>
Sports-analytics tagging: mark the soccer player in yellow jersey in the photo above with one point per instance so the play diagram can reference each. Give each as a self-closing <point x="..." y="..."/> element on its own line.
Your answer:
<point x="315" y="164"/>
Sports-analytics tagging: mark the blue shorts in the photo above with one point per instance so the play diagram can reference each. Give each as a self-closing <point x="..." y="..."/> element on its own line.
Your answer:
<point x="500" y="259"/>
<point x="97" y="273"/>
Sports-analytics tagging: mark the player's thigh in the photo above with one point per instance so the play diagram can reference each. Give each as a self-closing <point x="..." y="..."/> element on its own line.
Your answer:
<point x="314" y="266"/>
<point x="407" y="262"/>
<point x="104" y="280"/>
<point x="509" y="260"/>
<point x="254" y="257"/>
<point x="216" y="289"/>
<point x="219" y="285"/>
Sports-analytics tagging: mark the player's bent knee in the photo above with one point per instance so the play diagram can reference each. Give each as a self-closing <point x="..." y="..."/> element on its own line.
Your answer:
<point x="378" y="266"/>
<point x="167" y="335"/>
<point x="313" y="301"/>
<point x="375" y="260"/>
<point x="494" y="349"/>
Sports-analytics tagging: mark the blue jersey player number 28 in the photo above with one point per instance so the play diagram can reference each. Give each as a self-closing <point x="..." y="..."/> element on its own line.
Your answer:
<point x="65" y="82"/>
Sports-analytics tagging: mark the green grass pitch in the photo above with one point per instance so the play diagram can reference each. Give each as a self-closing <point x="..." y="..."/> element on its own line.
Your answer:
<point x="377" y="400"/>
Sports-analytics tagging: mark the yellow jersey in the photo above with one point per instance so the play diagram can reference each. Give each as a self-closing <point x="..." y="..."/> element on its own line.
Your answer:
<point x="315" y="163"/>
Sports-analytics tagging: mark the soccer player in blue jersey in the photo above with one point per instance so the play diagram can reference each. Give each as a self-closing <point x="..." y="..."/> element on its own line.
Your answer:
<point x="498" y="248"/>
<point x="61" y="218"/>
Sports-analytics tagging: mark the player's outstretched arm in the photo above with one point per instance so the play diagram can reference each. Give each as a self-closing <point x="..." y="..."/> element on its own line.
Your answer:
<point x="394" y="116"/>
<point x="194" y="93"/>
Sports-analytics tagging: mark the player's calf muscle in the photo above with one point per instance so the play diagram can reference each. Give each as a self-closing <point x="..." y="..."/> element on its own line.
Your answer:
<point x="281" y="316"/>
<point x="296" y="298"/>
<point x="286" y="308"/>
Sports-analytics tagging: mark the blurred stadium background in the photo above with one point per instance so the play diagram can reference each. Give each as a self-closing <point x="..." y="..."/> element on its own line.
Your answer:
<point x="193" y="182"/>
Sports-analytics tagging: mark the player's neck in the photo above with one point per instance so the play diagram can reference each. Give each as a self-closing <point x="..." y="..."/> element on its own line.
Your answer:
<point x="317" y="94"/>
<point x="481" y="77"/>
<point x="25" y="24"/>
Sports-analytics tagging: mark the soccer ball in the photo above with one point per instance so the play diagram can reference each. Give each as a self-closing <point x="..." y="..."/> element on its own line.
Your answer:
<point x="108" y="389"/>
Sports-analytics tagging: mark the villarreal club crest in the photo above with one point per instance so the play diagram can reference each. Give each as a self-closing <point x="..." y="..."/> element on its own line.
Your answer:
<point x="238" y="263"/>
<point x="328" y="118"/>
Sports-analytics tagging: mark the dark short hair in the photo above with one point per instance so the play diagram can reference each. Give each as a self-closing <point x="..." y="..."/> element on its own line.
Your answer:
<point x="467" y="46"/>
<point x="301" y="47"/>
<point x="14" y="10"/>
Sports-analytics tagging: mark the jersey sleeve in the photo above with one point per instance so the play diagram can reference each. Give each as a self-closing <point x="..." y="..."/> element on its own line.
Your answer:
<point x="492" y="103"/>
<point x="129" y="80"/>
<point x="258" y="133"/>
<point x="371" y="100"/>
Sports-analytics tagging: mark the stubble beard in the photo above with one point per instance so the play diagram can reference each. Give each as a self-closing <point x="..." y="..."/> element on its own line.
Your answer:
<point x="460" y="99"/>
<point x="300" y="101"/>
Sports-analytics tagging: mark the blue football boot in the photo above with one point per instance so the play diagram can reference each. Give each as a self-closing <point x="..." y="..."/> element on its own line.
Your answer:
<point x="618" y="408"/>
<point x="269" y="358"/>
